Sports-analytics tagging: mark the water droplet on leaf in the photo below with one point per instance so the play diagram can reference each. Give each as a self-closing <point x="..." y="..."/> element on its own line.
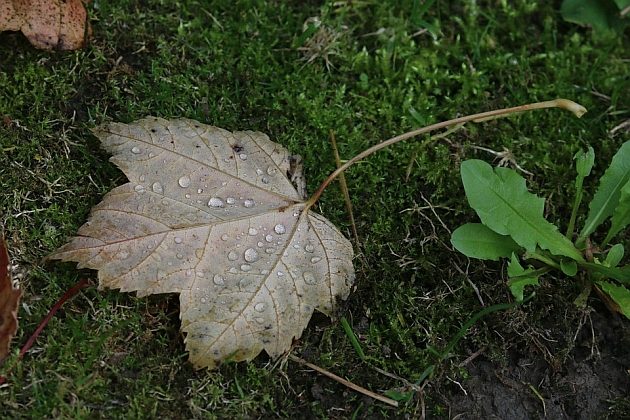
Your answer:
<point x="251" y="255"/>
<point x="184" y="181"/>
<point x="215" y="202"/>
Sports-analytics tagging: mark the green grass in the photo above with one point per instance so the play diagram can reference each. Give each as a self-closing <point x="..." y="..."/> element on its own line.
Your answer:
<point x="238" y="66"/>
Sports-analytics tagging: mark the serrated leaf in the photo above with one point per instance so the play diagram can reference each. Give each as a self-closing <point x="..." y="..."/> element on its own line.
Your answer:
<point x="478" y="241"/>
<point x="584" y="162"/>
<point x="519" y="278"/>
<point x="621" y="214"/>
<point x="503" y="204"/>
<point x="619" y="294"/>
<point x="614" y="256"/>
<point x="212" y="215"/>
<point x="609" y="191"/>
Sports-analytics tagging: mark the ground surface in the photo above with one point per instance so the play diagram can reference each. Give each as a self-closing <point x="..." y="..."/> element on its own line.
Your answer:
<point x="374" y="70"/>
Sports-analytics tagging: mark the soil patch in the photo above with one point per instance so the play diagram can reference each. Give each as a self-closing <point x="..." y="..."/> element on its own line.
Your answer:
<point x="593" y="380"/>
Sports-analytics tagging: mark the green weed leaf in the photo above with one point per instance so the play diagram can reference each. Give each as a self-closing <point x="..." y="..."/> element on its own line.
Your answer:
<point x="610" y="185"/>
<point x="614" y="256"/>
<point x="503" y="204"/>
<point x="621" y="274"/>
<point x="520" y="277"/>
<point x="568" y="267"/>
<point x="602" y="15"/>
<point x="584" y="162"/>
<point x="619" y="294"/>
<point x="621" y="215"/>
<point x="478" y="241"/>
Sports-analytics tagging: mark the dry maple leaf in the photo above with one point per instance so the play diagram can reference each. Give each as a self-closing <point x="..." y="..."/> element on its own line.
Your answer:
<point x="213" y="216"/>
<point x="9" y="299"/>
<point x="48" y="24"/>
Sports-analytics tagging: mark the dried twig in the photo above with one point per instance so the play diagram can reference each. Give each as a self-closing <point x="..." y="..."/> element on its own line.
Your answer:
<point x="345" y="382"/>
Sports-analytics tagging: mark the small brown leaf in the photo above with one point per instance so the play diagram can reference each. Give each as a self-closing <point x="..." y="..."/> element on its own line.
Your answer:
<point x="213" y="215"/>
<point x="9" y="299"/>
<point x="48" y="24"/>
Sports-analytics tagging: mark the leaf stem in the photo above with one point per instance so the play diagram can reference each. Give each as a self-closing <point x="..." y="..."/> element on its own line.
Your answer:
<point x="541" y="258"/>
<point x="577" y="109"/>
<point x="576" y="204"/>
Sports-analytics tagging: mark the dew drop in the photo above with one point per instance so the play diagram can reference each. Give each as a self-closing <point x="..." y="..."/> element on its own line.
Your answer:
<point x="265" y="180"/>
<point x="243" y="156"/>
<point x="157" y="188"/>
<point x="246" y="267"/>
<point x="218" y="280"/>
<point x="151" y="155"/>
<point x="178" y="240"/>
<point x="232" y="256"/>
<point x="199" y="274"/>
<point x="296" y="246"/>
<point x="187" y="196"/>
<point x="260" y="244"/>
<point x="251" y="255"/>
<point x="189" y="272"/>
<point x="249" y="203"/>
<point x="224" y="237"/>
<point x="216" y="202"/>
<point x="279" y="229"/>
<point x="259" y="172"/>
<point x="179" y="256"/>
<point x="309" y="248"/>
<point x="269" y="238"/>
<point x="315" y="260"/>
<point x="135" y="150"/>
<point x="184" y="181"/>
<point x="142" y="178"/>
<point x="264" y="272"/>
<point x="139" y="189"/>
<point x="199" y="190"/>
<point x="233" y="270"/>
<point x="230" y="200"/>
<point x="280" y="274"/>
<point x="259" y="307"/>
<point x="271" y="170"/>
<point x="260" y="320"/>
<point x="270" y="250"/>
<point x="204" y="300"/>
<point x="252" y="231"/>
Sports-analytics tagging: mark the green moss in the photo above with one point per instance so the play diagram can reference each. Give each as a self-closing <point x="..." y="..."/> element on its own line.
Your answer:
<point x="238" y="66"/>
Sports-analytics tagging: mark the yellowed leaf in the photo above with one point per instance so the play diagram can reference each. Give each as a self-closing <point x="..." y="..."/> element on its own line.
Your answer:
<point x="212" y="215"/>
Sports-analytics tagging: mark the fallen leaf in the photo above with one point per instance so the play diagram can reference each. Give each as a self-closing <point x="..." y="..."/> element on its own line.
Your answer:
<point x="212" y="215"/>
<point x="48" y="24"/>
<point x="9" y="299"/>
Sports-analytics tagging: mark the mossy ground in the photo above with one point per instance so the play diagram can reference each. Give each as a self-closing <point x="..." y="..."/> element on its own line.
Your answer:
<point x="376" y="69"/>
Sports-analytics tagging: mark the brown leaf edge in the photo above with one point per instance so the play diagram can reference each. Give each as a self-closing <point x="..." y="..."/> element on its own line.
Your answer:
<point x="47" y="24"/>
<point x="9" y="300"/>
